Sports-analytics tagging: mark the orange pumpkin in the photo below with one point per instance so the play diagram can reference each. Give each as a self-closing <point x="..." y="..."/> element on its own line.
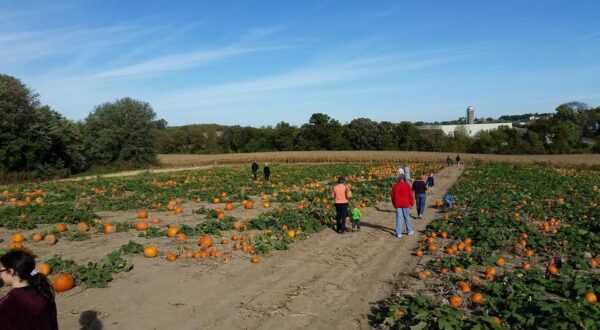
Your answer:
<point x="291" y="234"/>
<point x="61" y="227"/>
<point x="44" y="268"/>
<point x="216" y="201"/>
<point x="141" y="225"/>
<point x="178" y="210"/>
<point x="18" y="237"/>
<point x="526" y="266"/>
<point x="477" y="298"/>
<point x="63" y="282"/>
<point x="150" y="251"/>
<point x="419" y="253"/>
<point x="170" y="256"/>
<point x="172" y="231"/>
<point x="181" y="237"/>
<point x="552" y="270"/>
<point x="205" y="241"/>
<point x="591" y="297"/>
<point x="249" y="204"/>
<point x="229" y="207"/>
<point x="500" y="262"/>
<point x="83" y="226"/>
<point x="455" y="301"/>
<point x="37" y="237"/>
<point x="143" y="214"/>
<point x="255" y="260"/>
<point x="108" y="228"/>
<point x="155" y="220"/>
<point x="50" y="239"/>
<point x="464" y="287"/>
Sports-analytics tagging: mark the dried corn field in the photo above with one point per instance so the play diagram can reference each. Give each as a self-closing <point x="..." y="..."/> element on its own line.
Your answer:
<point x="178" y="160"/>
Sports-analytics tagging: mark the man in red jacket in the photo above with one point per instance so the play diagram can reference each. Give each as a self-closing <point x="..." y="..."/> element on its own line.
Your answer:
<point x="403" y="200"/>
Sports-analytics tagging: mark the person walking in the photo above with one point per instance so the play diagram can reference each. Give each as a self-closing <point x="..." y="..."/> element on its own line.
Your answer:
<point x="356" y="217"/>
<point x="254" y="168"/>
<point x="30" y="302"/>
<point x="458" y="161"/>
<point x="403" y="200"/>
<point x="267" y="172"/>
<point x="419" y="187"/>
<point x="400" y="171"/>
<point x="340" y="194"/>
<point x="430" y="183"/>
<point x="407" y="173"/>
<point x="448" y="161"/>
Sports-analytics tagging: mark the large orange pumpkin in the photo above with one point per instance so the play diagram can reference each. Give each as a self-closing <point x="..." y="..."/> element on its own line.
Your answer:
<point x="63" y="282"/>
<point x="249" y="204"/>
<point x="591" y="297"/>
<point x="143" y="214"/>
<point x="150" y="251"/>
<point x="205" y="241"/>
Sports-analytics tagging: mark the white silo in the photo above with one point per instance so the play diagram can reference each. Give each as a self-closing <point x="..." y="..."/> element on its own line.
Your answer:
<point x="471" y="115"/>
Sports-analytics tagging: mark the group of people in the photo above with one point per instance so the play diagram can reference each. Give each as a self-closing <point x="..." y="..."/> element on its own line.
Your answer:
<point x="449" y="161"/>
<point x="403" y="195"/>
<point x="266" y="171"/>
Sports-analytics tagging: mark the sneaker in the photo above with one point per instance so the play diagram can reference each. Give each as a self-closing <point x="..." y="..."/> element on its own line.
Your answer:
<point x="410" y="233"/>
<point x="399" y="236"/>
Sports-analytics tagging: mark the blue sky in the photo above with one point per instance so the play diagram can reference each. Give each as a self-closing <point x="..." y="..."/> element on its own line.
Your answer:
<point x="261" y="62"/>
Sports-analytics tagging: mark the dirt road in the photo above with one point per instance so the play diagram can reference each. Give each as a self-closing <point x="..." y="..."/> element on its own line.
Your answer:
<point x="326" y="282"/>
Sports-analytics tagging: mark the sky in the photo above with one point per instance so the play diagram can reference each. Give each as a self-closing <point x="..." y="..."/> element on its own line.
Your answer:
<point x="258" y="63"/>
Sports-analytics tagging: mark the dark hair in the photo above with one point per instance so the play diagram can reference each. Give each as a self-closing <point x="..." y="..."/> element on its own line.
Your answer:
<point x="341" y="179"/>
<point x="23" y="264"/>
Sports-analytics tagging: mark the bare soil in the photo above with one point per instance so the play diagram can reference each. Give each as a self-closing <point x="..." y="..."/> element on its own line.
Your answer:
<point x="329" y="281"/>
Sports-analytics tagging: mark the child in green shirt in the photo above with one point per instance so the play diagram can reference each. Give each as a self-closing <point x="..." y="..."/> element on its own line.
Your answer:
<point x="356" y="216"/>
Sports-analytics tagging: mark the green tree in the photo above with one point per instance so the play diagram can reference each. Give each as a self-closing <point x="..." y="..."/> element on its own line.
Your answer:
<point x="283" y="139"/>
<point x="17" y="113"/>
<point x="362" y="134"/>
<point x="321" y="133"/>
<point x="121" y="131"/>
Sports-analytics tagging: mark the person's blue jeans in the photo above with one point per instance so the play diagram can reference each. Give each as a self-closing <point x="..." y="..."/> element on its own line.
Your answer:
<point x="420" y="199"/>
<point x="403" y="215"/>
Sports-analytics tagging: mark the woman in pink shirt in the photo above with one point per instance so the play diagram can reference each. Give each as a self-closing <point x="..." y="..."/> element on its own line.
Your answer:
<point x="340" y="194"/>
<point x="30" y="302"/>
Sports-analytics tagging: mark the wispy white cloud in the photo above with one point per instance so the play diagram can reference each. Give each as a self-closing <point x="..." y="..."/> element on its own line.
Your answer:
<point x="176" y="62"/>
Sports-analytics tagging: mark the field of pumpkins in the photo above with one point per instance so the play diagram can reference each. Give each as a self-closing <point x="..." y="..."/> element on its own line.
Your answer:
<point x="84" y="232"/>
<point x="520" y="249"/>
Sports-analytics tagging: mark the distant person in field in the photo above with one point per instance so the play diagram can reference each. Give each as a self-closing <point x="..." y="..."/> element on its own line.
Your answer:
<point x="458" y="161"/>
<point x="430" y="183"/>
<point x="255" y="169"/>
<point x="267" y="172"/>
<point x="402" y="199"/>
<point x="356" y="217"/>
<point x="407" y="172"/>
<point x="448" y="161"/>
<point x="340" y="194"/>
<point x="400" y="170"/>
<point x="419" y="187"/>
<point x="30" y="302"/>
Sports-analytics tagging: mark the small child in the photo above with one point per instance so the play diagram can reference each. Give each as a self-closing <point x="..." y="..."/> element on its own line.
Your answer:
<point x="430" y="184"/>
<point x="356" y="216"/>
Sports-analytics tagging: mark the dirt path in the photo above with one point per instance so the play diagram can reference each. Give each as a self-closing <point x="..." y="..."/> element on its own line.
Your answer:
<point x="326" y="282"/>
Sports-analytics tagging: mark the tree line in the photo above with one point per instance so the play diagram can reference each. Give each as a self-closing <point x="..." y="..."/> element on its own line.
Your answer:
<point x="37" y="141"/>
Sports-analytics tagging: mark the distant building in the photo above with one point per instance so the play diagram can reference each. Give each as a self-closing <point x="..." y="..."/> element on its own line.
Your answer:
<point x="470" y="128"/>
<point x="471" y="115"/>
